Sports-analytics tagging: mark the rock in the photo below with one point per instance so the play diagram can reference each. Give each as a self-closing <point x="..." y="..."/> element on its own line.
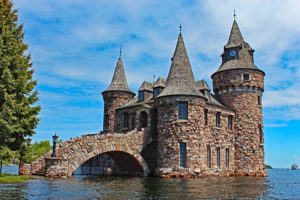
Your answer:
<point x="294" y="167"/>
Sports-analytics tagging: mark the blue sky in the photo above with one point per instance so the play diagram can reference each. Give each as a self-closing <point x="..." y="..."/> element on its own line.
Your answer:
<point x="75" y="47"/>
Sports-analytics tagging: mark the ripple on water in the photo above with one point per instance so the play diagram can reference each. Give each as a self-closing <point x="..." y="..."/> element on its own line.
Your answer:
<point x="280" y="184"/>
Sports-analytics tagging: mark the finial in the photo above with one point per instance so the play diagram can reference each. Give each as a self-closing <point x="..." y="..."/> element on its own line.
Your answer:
<point x="234" y="15"/>
<point x="120" y="50"/>
<point x="154" y="78"/>
<point x="180" y="28"/>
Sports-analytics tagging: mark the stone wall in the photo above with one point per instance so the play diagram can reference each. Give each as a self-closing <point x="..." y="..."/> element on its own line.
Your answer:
<point x="113" y="100"/>
<point x="244" y="97"/>
<point x="197" y="137"/>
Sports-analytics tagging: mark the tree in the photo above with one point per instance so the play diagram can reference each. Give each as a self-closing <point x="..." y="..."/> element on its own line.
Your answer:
<point x="18" y="116"/>
<point x="5" y="154"/>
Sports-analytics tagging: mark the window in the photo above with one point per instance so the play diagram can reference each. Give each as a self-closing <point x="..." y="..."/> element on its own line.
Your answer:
<point x="218" y="157"/>
<point x="227" y="157"/>
<point x="260" y="134"/>
<point x="182" y="154"/>
<point x="143" y="119"/>
<point x="259" y="100"/>
<point x="230" y="122"/>
<point x="218" y="116"/>
<point x="205" y="116"/>
<point x="246" y="77"/>
<point x="106" y="121"/>
<point x="208" y="157"/>
<point x="141" y="96"/>
<point x="183" y="110"/>
<point x="155" y="92"/>
<point x="132" y="123"/>
<point x="126" y="121"/>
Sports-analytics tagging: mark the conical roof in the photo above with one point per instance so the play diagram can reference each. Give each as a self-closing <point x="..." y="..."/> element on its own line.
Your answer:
<point x="235" y="37"/>
<point x="245" y="59"/>
<point x="181" y="78"/>
<point x="119" y="82"/>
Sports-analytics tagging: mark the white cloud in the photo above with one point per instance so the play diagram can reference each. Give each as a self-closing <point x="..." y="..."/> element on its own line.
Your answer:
<point x="74" y="43"/>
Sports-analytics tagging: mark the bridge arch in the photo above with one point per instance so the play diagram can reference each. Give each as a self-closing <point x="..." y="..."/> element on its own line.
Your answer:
<point x="125" y="154"/>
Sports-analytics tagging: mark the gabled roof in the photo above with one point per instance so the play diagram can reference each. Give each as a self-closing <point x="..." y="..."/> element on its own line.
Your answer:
<point x="161" y="82"/>
<point x="181" y="78"/>
<point x="146" y="86"/>
<point x="202" y="85"/>
<point x="235" y="37"/>
<point x="119" y="82"/>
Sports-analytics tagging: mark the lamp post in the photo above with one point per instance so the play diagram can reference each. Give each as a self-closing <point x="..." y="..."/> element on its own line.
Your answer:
<point x="55" y="137"/>
<point x="28" y="141"/>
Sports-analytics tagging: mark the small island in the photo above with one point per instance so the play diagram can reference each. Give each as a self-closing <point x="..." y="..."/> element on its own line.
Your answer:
<point x="268" y="167"/>
<point x="294" y="167"/>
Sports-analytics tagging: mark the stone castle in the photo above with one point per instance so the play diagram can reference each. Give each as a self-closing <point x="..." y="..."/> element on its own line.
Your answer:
<point x="194" y="131"/>
<point x="175" y="127"/>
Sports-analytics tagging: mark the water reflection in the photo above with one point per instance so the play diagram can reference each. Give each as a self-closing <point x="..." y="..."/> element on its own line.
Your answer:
<point x="84" y="187"/>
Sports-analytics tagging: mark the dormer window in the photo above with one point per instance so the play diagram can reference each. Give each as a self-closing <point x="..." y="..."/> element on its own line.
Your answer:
<point x="155" y="92"/>
<point x="141" y="96"/>
<point x="246" y="77"/>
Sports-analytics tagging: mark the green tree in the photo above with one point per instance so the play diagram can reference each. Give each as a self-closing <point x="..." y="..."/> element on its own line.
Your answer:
<point x="5" y="154"/>
<point x="40" y="148"/>
<point x="18" y="116"/>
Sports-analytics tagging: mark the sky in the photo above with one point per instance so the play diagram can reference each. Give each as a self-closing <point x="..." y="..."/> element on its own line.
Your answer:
<point x="75" y="46"/>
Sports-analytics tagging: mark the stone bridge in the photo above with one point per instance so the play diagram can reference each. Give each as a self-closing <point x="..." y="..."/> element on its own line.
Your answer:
<point x="129" y="151"/>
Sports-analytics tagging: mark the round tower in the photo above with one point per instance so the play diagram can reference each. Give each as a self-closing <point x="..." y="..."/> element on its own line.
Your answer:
<point x="240" y="85"/>
<point x="180" y="105"/>
<point x="116" y="95"/>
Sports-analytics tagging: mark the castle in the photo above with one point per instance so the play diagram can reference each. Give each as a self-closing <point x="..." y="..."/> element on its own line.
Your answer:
<point x="193" y="129"/>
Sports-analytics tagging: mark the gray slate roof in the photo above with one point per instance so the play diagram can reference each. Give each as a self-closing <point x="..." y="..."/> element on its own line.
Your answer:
<point x="235" y="37"/>
<point x="244" y="61"/>
<point x="119" y="82"/>
<point x="161" y="82"/>
<point x="181" y="78"/>
<point x="146" y="86"/>
<point x="202" y="85"/>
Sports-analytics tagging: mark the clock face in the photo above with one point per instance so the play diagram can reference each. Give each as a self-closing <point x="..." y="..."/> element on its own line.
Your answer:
<point x="232" y="53"/>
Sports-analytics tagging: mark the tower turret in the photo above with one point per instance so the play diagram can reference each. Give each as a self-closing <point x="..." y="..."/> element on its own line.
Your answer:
<point x="240" y="85"/>
<point x="116" y="95"/>
<point x="179" y="105"/>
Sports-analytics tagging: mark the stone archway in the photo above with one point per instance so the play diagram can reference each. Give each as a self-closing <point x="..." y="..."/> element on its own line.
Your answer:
<point x="128" y="164"/>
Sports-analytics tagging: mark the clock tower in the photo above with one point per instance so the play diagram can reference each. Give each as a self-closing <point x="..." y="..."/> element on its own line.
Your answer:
<point x="240" y="85"/>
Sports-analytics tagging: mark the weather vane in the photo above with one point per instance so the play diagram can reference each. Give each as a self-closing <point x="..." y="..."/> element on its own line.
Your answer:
<point x="180" y="28"/>
<point x="153" y="78"/>
<point x="120" y="50"/>
<point x="234" y="15"/>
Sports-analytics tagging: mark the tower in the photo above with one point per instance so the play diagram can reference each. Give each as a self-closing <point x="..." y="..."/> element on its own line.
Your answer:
<point x="116" y="95"/>
<point x="178" y="106"/>
<point x="240" y="85"/>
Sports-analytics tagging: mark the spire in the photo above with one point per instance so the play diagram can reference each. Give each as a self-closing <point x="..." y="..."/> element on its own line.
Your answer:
<point x="181" y="78"/>
<point x="235" y="38"/>
<point x="119" y="82"/>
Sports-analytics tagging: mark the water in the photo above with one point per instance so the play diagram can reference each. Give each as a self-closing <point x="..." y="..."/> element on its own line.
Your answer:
<point x="280" y="184"/>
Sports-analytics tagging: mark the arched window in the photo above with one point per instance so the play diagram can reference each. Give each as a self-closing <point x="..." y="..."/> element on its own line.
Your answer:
<point x="143" y="119"/>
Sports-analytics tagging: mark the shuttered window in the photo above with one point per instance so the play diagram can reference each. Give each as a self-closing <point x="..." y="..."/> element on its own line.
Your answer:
<point x="183" y="110"/>
<point x="141" y="96"/>
<point x="155" y="92"/>
<point x="182" y="154"/>
<point x="227" y="157"/>
<point x="208" y="157"/>
<point x="218" y="157"/>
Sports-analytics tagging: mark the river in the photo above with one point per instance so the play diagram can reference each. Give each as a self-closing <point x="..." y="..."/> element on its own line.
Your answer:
<point x="280" y="184"/>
